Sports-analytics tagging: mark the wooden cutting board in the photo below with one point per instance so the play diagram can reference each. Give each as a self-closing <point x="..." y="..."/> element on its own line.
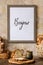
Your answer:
<point x="20" y="62"/>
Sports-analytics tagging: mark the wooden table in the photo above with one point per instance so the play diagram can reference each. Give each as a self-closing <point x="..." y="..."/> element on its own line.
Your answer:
<point x="37" y="62"/>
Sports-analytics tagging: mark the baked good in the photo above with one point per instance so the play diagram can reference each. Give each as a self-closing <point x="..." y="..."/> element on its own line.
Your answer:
<point x="17" y="53"/>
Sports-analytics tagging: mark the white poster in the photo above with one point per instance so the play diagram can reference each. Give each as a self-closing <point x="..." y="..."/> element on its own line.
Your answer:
<point x="21" y="22"/>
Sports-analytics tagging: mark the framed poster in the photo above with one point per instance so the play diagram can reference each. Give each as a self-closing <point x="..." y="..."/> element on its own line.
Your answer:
<point x="22" y="23"/>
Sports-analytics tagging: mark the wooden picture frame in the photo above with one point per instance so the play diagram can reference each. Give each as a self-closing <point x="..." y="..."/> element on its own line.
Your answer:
<point x="22" y="23"/>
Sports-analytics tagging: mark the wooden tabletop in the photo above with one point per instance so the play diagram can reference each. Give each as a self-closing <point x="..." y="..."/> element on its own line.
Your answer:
<point x="38" y="61"/>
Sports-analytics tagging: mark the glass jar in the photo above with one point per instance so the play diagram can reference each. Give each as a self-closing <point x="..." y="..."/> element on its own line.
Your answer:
<point x="29" y="55"/>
